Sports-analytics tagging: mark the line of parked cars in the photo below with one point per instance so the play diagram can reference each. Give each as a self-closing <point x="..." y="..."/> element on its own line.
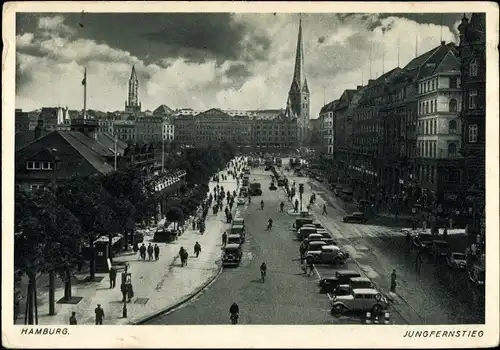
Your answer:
<point x="348" y="290"/>
<point x="235" y="238"/>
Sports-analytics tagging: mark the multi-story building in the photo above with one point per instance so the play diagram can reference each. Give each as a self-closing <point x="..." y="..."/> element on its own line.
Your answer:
<point x="168" y="128"/>
<point x="326" y="127"/>
<point x="472" y="51"/>
<point x="133" y="105"/>
<point x="184" y="125"/>
<point x="278" y="132"/>
<point x="124" y="130"/>
<point x="149" y="129"/>
<point x="438" y="162"/>
<point x="298" y="96"/>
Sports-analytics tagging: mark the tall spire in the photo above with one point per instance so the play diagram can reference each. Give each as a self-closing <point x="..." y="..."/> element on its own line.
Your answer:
<point x="298" y="73"/>
<point x="133" y="76"/>
<point x="132" y="104"/>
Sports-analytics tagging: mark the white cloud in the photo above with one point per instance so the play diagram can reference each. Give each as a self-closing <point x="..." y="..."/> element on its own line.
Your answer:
<point x="336" y="64"/>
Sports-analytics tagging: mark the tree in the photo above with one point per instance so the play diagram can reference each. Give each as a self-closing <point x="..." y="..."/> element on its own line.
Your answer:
<point x="175" y="215"/>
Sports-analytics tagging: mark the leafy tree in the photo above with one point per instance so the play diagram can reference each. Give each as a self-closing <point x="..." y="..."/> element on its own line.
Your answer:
<point x="176" y="215"/>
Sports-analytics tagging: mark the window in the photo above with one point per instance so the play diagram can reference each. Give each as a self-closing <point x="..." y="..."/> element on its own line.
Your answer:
<point x="473" y="133"/>
<point x="473" y="68"/>
<point x="452" y="150"/>
<point x="435" y="126"/>
<point x="453" y="82"/>
<point x="36" y="165"/>
<point x="432" y="85"/>
<point x="432" y="106"/>
<point x="453" y="105"/>
<point x="426" y="127"/>
<point x="452" y="127"/>
<point x="472" y="99"/>
<point x="427" y="107"/>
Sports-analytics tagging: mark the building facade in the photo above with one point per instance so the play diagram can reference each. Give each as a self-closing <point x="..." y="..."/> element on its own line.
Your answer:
<point x="472" y="52"/>
<point x="124" y="130"/>
<point x="149" y="129"/>
<point x="298" y="97"/>
<point x="276" y="132"/>
<point x="326" y="127"/>
<point x="132" y="105"/>
<point x="168" y="128"/>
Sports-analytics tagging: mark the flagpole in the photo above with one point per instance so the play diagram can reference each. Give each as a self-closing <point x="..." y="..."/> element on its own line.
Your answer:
<point x="85" y="95"/>
<point x="162" y="152"/>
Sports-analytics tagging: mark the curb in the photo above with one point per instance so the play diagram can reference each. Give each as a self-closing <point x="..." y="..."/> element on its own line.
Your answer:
<point x="190" y="296"/>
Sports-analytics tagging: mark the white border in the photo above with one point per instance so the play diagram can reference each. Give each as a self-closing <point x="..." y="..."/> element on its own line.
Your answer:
<point x="251" y="336"/>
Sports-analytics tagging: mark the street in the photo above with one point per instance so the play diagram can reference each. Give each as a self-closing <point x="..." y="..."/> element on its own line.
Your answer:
<point x="288" y="296"/>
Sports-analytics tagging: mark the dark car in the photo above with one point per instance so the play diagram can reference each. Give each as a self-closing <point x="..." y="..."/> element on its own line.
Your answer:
<point x="299" y="222"/>
<point x="328" y="284"/>
<point x="355" y="217"/>
<point x="423" y="241"/>
<point x="273" y="187"/>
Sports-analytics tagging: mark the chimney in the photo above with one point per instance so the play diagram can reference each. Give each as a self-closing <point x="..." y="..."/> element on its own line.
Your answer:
<point x="370" y="81"/>
<point x="443" y="43"/>
<point x="359" y="87"/>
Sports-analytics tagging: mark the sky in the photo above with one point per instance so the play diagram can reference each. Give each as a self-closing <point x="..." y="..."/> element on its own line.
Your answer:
<point x="211" y="60"/>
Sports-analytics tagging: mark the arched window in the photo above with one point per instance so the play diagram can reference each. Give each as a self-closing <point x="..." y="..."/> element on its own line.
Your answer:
<point x="452" y="127"/>
<point x="453" y="105"/>
<point x="452" y="149"/>
<point x="473" y="68"/>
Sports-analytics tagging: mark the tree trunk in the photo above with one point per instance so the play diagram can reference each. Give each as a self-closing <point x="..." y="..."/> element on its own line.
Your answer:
<point x="92" y="258"/>
<point x="52" y="292"/>
<point x="67" y="285"/>
<point x="125" y="237"/>
<point x="110" y="245"/>
<point x="28" y="315"/>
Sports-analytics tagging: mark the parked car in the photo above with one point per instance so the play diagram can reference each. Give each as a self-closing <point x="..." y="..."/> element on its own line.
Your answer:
<point x="329" y="254"/>
<point x="238" y="230"/>
<point x="354" y="283"/>
<point x="328" y="284"/>
<point x="315" y="246"/>
<point x="355" y="217"/>
<point x="476" y="274"/>
<point x="241" y="201"/>
<point x="299" y="222"/>
<point x="363" y="299"/>
<point x="304" y="232"/>
<point x="234" y="239"/>
<point x="423" y="241"/>
<point x="319" y="237"/>
<point x="239" y="221"/>
<point x="440" y="248"/>
<point x="232" y="255"/>
<point x="457" y="260"/>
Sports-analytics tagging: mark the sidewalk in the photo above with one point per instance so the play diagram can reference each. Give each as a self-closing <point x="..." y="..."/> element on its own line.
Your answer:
<point x="159" y="286"/>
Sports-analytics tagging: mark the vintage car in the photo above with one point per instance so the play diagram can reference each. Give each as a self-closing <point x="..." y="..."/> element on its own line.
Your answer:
<point x="243" y="191"/>
<point x="237" y="229"/>
<point x="329" y="254"/>
<point x="328" y="284"/>
<point x="457" y="260"/>
<point x="272" y="187"/>
<point x="239" y="221"/>
<point x="304" y="232"/>
<point x="354" y="283"/>
<point x="319" y="237"/>
<point x="355" y="217"/>
<point x="241" y="201"/>
<point x="299" y="222"/>
<point x="315" y="246"/>
<point x="363" y="299"/>
<point x="423" y="241"/>
<point x="234" y="239"/>
<point x="232" y="255"/>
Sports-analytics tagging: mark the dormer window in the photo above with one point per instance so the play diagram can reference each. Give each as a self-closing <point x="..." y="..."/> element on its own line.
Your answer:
<point x="38" y="165"/>
<point x="473" y="68"/>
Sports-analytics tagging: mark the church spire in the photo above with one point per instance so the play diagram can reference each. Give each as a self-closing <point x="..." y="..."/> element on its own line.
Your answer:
<point x="132" y="104"/>
<point x="298" y="74"/>
<point x="133" y="76"/>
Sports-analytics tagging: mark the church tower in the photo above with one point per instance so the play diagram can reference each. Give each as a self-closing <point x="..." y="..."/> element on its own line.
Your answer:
<point x="133" y="105"/>
<point x="298" y="96"/>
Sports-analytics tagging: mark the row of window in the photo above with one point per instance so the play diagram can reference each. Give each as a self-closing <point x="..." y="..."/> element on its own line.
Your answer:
<point x="38" y="165"/>
<point x="431" y="85"/>
<point x="426" y="107"/>
<point x="430" y="127"/>
<point x="429" y="149"/>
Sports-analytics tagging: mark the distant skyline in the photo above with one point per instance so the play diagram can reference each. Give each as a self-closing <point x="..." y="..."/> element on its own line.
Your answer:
<point x="206" y="60"/>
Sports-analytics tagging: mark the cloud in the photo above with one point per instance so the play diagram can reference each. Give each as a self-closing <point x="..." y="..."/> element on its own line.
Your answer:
<point x="250" y="66"/>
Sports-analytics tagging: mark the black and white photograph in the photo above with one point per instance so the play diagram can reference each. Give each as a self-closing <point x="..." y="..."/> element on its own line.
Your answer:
<point x="192" y="164"/>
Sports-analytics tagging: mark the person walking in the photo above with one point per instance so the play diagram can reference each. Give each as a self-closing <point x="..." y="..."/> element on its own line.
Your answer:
<point x="310" y="264"/>
<point x="282" y="205"/>
<point x="224" y="238"/>
<point x="143" y="251"/>
<point x="324" y="210"/>
<point x="197" y="249"/>
<point x="296" y="206"/>
<point x="194" y="225"/>
<point x="112" y="277"/>
<point x="99" y="315"/>
<point x="185" y="255"/>
<point x="72" y="319"/>
<point x="150" y="251"/>
<point x="157" y="252"/>
<point x="418" y="262"/>
<point x="302" y="251"/>
<point x="393" y="281"/>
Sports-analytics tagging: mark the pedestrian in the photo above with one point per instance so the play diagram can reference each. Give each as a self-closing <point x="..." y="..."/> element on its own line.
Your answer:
<point x="197" y="249"/>
<point x="72" y="319"/>
<point x="185" y="255"/>
<point x="310" y="264"/>
<point x="445" y="233"/>
<point x="135" y="248"/>
<point x="112" y="277"/>
<point x="150" y="251"/>
<point x="194" y="225"/>
<point x="282" y="205"/>
<point x="143" y="251"/>
<point x="324" y="210"/>
<point x="99" y="315"/>
<point x="182" y="256"/>
<point x="296" y="207"/>
<point x="157" y="252"/>
<point x="424" y="225"/>
<point x="408" y="240"/>
<point x="224" y="239"/>
<point x="393" y="281"/>
<point x="451" y="223"/>
<point x="302" y="251"/>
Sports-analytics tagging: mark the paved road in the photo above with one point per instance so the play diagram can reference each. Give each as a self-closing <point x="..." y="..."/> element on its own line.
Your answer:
<point x="436" y="296"/>
<point x="286" y="297"/>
